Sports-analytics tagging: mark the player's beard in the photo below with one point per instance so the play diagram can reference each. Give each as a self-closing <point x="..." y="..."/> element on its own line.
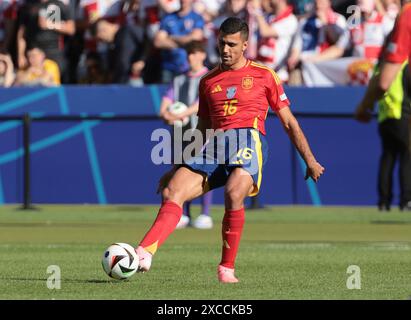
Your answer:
<point x="231" y="61"/>
<point x="226" y="61"/>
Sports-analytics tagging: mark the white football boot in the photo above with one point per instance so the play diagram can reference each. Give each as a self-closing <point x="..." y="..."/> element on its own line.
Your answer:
<point x="184" y="222"/>
<point x="203" y="222"/>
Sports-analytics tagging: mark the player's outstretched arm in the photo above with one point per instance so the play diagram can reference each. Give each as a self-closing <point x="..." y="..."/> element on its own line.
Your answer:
<point x="293" y="129"/>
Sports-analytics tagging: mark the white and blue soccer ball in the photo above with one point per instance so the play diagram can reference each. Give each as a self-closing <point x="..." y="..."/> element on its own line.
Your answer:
<point x="120" y="261"/>
<point x="177" y="108"/>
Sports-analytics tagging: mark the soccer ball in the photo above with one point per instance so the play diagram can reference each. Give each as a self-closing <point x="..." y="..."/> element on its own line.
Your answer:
<point x="176" y="108"/>
<point x="120" y="261"/>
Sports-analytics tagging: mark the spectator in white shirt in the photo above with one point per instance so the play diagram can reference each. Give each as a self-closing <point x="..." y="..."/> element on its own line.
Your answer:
<point x="276" y="31"/>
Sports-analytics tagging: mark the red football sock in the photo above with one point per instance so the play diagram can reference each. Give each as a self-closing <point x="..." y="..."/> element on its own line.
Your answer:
<point x="233" y="223"/>
<point x="165" y="223"/>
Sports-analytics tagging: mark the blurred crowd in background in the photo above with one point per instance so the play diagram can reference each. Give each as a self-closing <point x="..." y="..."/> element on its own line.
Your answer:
<point x="137" y="42"/>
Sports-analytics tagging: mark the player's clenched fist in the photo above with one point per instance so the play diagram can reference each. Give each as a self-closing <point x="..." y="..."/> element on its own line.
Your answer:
<point x="314" y="171"/>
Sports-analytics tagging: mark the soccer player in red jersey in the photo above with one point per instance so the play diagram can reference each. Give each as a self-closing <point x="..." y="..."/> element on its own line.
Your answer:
<point x="234" y="100"/>
<point x="397" y="51"/>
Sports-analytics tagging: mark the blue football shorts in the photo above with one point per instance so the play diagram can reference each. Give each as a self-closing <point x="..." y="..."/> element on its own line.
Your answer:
<point x="226" y="150"/>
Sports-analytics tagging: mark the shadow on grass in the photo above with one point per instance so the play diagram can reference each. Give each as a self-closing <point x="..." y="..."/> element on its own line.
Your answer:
<point x="95" y="281"/>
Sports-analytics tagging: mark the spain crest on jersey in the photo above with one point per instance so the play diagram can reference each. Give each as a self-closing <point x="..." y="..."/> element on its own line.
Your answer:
<point x="231" y="91"/>
<point x="247" y="83"/>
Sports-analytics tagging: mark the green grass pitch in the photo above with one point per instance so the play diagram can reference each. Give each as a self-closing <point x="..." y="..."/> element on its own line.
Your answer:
<point x="286" y="252"/>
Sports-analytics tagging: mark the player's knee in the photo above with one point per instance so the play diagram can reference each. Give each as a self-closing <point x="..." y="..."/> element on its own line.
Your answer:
<point x="165" y="193"/>
<point x="234" y="197"/>
<point x="171" y="194"/>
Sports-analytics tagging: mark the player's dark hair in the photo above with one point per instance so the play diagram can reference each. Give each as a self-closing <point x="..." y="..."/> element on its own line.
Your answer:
<point x="195" y="46"/>
<point x="233" y="25"/>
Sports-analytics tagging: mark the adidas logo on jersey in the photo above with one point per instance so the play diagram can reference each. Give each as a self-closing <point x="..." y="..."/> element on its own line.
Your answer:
<point x="216" y="89"/>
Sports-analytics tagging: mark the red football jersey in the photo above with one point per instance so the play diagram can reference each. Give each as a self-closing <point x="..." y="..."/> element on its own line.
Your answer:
<point x="240" y="98"/>
<point x="399" y="48"/>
